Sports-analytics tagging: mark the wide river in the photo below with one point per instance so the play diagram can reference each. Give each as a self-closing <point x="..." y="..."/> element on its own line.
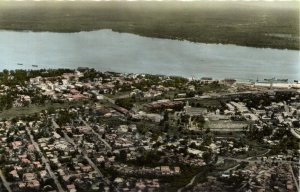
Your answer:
<point x="123" y="52"/>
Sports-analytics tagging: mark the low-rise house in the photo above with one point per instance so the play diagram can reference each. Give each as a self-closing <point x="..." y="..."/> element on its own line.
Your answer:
<point x="29" y="176"/>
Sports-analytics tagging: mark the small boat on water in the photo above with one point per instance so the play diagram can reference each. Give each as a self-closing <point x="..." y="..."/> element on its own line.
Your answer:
<point x="34" y="65"/>
<point x="19" y="63"/>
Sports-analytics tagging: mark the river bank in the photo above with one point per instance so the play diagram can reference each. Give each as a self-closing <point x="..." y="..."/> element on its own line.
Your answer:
<point x="251" y="24"/>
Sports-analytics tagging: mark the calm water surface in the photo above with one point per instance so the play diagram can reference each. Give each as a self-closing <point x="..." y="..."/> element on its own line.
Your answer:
<point x="123" y="52"/>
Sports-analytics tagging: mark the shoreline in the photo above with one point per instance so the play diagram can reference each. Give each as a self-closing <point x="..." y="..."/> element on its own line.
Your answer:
<point x="194" y="21"/>
<point x="262" y="84"/>
<point x="148" y="36"/>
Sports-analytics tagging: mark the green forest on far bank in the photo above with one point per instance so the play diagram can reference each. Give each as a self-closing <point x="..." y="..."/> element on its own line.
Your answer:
<point x="255" y="24"/>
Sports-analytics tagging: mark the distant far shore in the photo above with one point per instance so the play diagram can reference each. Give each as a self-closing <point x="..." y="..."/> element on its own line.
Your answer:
<point x="252" y="24"/>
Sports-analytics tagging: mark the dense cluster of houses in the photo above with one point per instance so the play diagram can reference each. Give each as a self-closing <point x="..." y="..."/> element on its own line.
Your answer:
<point x="105" y="146"/>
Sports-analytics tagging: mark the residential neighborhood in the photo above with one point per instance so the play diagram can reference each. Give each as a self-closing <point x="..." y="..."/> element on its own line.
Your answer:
<point x="87" y="130"/>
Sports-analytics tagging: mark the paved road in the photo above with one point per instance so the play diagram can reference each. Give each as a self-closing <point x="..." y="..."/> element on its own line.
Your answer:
<point x="239" y="161"/>
<point x="97" y="134"/>
<point x="250" y="179"/>
<point x="247" y="159"/>
<point x="5" y="183"/>
<point x="295" y="133"/>
<point x="45" y="161"/>
<point x="231" y="168"/>
<point x="294" y="178"/>
<point x="56" y="126"/>
<point x="83" y="152"/>
<point x="109" y="99"/>
<point x="85" y="155"/>
<point x="259" y="161"/>
<point x="191" y="182"/>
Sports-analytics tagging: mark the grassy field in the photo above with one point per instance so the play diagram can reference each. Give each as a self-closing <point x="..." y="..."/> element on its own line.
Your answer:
<point x="32" y="109"/>
<point x="256" y="24"/>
